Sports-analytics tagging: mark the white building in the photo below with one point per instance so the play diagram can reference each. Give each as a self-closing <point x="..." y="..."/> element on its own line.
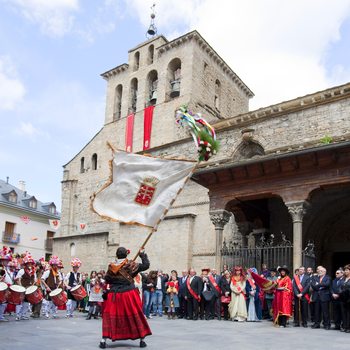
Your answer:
<point x="24" y="221"/>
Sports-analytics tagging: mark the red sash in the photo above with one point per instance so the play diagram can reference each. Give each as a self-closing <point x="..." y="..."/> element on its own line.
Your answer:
<point x="192" y="292"/>
<point x="213" y="282"/>
<point x="234" y="282"/>
<point x="300" y="287"/>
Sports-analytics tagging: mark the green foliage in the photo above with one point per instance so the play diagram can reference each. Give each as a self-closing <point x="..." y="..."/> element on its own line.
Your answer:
<point x="326" y="140"/>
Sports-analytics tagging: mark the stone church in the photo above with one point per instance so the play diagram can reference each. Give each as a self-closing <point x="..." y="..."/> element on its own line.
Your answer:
<point x="277" y="192"/>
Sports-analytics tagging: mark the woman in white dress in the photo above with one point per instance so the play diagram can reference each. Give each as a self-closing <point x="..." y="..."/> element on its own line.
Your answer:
<point x="237" y="307"/>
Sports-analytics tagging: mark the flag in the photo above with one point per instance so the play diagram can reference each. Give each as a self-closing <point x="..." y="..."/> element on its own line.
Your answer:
<point x="147" y="127"/>
<point x="25" y="219"/>
<point x="262" y="282"/>
<point x="82" y="227"/>
<point x="141" y="189"/>
<point x="55" y="224"/>
<point x="129" y="132"/>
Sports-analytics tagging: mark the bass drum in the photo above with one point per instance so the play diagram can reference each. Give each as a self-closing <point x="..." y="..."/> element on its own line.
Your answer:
<point x="16" y="295"/>
<point x="4" y="291"/>
<point x="34" y="295"/>
<point x="58" y="297"/>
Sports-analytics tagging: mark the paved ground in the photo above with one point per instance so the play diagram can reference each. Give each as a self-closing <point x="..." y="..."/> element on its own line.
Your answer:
<point x="78" y="333"/>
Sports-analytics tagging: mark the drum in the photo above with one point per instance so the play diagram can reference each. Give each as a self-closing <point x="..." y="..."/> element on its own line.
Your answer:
<point x="16" y="295"/>
<point x="34" y="295"/>
<point x="78" y="292"/>
<point x="4" y="290"/>
<point x="58" y="297"/>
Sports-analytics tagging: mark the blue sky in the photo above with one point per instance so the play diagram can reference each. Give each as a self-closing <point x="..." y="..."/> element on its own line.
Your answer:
<point x="52" y="52"/>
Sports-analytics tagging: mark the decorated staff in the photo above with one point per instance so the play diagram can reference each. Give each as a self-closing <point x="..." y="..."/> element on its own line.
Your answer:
<point x="202" y="132"/>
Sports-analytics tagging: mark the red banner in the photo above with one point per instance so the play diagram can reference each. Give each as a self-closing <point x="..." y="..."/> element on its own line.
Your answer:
<point x="129" y="132"/>
<point x="147" y="126"/>
<point x="262" y="282"/>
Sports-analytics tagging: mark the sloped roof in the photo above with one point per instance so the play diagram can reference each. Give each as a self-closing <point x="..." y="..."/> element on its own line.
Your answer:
<point x="22" y="200"/>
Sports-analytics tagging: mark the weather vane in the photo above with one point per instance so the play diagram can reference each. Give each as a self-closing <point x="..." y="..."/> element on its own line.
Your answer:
<point x="152" y="30"/>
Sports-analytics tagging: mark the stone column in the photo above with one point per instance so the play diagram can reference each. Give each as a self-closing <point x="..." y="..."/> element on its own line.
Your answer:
<point x="297" y="211"/>
<point x="219" y="218"/>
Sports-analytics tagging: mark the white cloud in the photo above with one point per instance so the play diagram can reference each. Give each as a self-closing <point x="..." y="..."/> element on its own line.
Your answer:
<point x="276" y="47"/>
<point x="11" y="88"/>
<point x="55" y="17"/>
<point x="26" y="129"/>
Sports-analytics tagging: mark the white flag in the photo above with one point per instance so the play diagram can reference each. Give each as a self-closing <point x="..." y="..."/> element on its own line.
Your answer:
<point x="55" y="224"/>
<point x="141" y="189"/>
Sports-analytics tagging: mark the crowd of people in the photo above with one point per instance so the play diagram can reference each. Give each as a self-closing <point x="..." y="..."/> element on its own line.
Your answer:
<point x="233" y="294"/>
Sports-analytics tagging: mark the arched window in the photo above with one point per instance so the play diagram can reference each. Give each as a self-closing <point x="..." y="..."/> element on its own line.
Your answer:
<point x="151" y="86"/>
<point x="133" y="95"/>
<point x="94" y="161"/>
<point x="118" y="102"/>
<point x="72" y="249"/>
<point x="136" y="61"/>
<point x="217" y="94"/>
<point x="150" y="54"/>
<point x="174" y="77"/>
<point x="82" y="165"/>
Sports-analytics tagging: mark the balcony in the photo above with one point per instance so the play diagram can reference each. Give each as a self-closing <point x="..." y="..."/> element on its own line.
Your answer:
<point x="48" y="244"/>
<point x="11" y="237"/>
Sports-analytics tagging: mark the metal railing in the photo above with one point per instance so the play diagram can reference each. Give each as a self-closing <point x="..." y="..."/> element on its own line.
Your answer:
<point x="11" y="237"/>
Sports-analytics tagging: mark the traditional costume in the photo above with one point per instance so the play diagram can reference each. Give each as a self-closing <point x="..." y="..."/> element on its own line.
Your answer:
<point x="26" y="277"/>
<point x="282" y="302"/>
<point x="71" y="280"/>
<point x="5" y="259"/>
<point x="122" y="316"/>
<point x="51" y="280"/>
<point x="237" y="307"/>
<point x="253" y="300"/>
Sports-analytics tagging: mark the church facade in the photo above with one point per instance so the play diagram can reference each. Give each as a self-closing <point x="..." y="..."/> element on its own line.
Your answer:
<point x="282" y="171"/>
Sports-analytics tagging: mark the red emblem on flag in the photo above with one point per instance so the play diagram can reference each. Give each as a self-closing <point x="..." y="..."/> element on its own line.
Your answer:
<point x="146" y="191"/>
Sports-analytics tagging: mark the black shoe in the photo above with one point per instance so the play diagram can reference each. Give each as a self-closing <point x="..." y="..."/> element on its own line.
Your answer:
<point x="96" y="317"/>
<point x="88" y="317"/>
<point x="314" y="326"/>
<point x="297" y="325"/>
<point x="327" y="328"/>
<point x="195" y="318"/>
<point x="337" y="328"/>
<point x="102" y="345"/>
<point x="142" y="344"/>
<point x="347" y="331"/>
<point x="305" y="325"/>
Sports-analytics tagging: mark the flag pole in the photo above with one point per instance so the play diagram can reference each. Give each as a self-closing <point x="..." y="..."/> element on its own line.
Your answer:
<point x="144" y="243"/>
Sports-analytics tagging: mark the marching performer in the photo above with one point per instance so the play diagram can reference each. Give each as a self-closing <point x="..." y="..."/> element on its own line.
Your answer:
<point x="122" y="316"/>
<point x="71" y="280"/>
<point x="51" y="280"/>
<point x="25" y="277"/>
<point x="5" y="257"/>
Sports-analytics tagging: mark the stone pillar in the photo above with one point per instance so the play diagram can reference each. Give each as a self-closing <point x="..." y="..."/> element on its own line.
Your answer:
<point x="219" y="218"/>
<point x="297" y="211"/>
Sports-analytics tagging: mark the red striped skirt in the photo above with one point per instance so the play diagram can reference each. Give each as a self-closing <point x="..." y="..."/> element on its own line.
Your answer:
<point x="123" y="317"/>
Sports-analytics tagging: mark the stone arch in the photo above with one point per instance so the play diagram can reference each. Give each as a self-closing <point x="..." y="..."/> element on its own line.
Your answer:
<point x="94" y="162"/>
<point x="174" y="78"/>
<point x="118" y="95"/>
<point x="151" y="87"/>
<point x="150" y="57"/>
<point x="248" y="149"/>
<point x="136" y="61"/>
<point x="133" y="95"/>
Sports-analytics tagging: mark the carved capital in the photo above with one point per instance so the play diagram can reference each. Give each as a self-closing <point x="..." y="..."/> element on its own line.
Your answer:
<point x="220" y="218"/>
<point x="297" y="210"/>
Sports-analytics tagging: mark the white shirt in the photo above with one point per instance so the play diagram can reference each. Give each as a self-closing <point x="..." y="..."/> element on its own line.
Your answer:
<point x="46" y="274"/>
<point x="159" y="283"/>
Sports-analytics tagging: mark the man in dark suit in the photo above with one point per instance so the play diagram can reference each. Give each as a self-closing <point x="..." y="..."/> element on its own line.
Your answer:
<point x="194" y="287"/>
<point x="336" y="303"/>
<point x="321" y="285"/>
<point x="182" y="294"/>
<point x="214" y="280"/>
<point x="301" y="286"/>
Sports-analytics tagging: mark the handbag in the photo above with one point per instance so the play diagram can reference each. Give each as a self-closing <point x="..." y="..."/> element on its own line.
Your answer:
<point x="225" y="299"/>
